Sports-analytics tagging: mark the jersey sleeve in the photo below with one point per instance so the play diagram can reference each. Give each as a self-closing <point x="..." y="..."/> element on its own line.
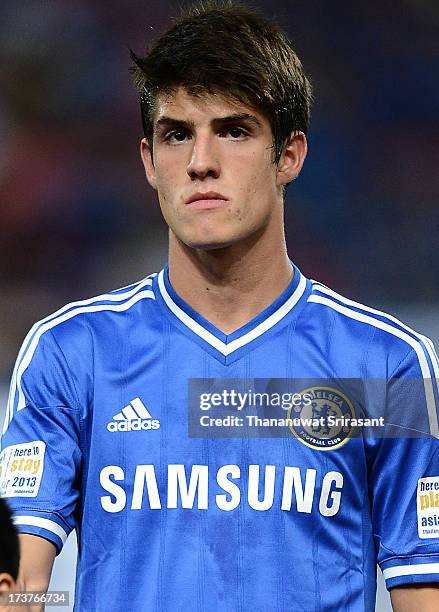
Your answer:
<point x="41" y="457"/>
<point x="404" y="474"/>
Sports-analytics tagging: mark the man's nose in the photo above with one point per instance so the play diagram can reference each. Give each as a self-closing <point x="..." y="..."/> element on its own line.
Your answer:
<point x="204" y="161"/>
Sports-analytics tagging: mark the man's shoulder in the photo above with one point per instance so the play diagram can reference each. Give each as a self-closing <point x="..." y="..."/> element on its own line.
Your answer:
<point x="79" y="317"/>
<point x="388" y="333"/>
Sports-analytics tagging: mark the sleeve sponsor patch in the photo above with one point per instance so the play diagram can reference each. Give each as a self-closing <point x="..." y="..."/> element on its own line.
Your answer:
<point x="21" y="469"/>
<point x="427" y="502"/>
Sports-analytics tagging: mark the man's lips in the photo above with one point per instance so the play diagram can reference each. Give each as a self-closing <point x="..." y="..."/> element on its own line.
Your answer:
<point x="210" y="199"/>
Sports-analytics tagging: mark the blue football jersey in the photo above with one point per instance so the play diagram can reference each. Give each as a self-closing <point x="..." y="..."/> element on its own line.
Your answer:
<point x="97" y="439"/>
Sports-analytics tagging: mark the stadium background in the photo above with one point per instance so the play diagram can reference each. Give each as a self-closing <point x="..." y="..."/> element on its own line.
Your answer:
<point x="77" y="217"/>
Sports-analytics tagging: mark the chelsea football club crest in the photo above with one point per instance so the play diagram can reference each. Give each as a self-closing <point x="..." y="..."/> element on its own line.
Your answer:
<point x="325" y="422"/>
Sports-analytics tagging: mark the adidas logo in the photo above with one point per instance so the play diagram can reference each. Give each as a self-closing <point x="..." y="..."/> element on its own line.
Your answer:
<point x="134" y="417"/>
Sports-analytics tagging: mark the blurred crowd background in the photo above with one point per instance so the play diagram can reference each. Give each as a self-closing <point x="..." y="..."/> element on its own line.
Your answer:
<point x="77" y="217"/>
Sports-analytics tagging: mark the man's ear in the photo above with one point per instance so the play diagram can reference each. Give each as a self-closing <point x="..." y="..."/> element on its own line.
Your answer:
<point x="292" y="158"/>
<point x="6" y="582"/>
<point x="148" y="163"/>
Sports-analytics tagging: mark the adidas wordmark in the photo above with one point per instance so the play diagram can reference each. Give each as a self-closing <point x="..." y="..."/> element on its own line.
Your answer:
<point x="134" y="417"/>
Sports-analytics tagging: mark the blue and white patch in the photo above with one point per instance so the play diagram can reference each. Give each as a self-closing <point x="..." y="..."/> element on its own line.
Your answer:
<point x="21" y="469"/>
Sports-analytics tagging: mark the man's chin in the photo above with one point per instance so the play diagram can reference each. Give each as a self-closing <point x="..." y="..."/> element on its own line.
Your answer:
<point x="213" y="241"/>
<point x="209" y="243"/>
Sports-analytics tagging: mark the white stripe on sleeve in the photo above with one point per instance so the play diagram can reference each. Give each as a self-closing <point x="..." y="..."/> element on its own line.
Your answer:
<point x="37" y="521"/>
<point x="411" y="570"/>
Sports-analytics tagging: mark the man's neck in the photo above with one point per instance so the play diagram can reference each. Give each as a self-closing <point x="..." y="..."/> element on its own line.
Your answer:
<point x="229" y="286"/>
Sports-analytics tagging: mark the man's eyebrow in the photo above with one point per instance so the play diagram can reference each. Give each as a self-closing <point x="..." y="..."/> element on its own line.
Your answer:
<point x="171" y="122"/>
<point x="237" y="117"/>
<point x="166" y="121"/>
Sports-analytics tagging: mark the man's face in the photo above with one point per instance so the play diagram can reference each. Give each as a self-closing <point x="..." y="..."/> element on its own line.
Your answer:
<point x="213" y="169"/>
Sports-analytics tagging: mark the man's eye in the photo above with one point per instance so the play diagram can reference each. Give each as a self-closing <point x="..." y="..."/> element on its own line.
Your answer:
<point x="236" y="132"/>
<point x="176" y="135"/>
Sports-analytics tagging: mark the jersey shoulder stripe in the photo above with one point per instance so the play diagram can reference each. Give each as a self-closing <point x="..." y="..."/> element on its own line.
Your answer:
<point x="321" y="288"/>
<point x="424" y="340"/>
<point x="421" y="349"/>
<point x="112" y="301"/>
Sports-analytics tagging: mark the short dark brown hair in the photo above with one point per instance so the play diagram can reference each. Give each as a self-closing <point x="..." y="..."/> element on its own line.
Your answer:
<point x="223" y="47"/>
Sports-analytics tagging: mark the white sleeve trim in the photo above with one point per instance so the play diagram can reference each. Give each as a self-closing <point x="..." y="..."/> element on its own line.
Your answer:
<point x="409" y="570"/>
<point x="36" y="521"/>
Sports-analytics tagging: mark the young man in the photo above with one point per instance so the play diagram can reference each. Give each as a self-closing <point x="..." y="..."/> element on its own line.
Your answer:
<point x="98" y="417"/>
